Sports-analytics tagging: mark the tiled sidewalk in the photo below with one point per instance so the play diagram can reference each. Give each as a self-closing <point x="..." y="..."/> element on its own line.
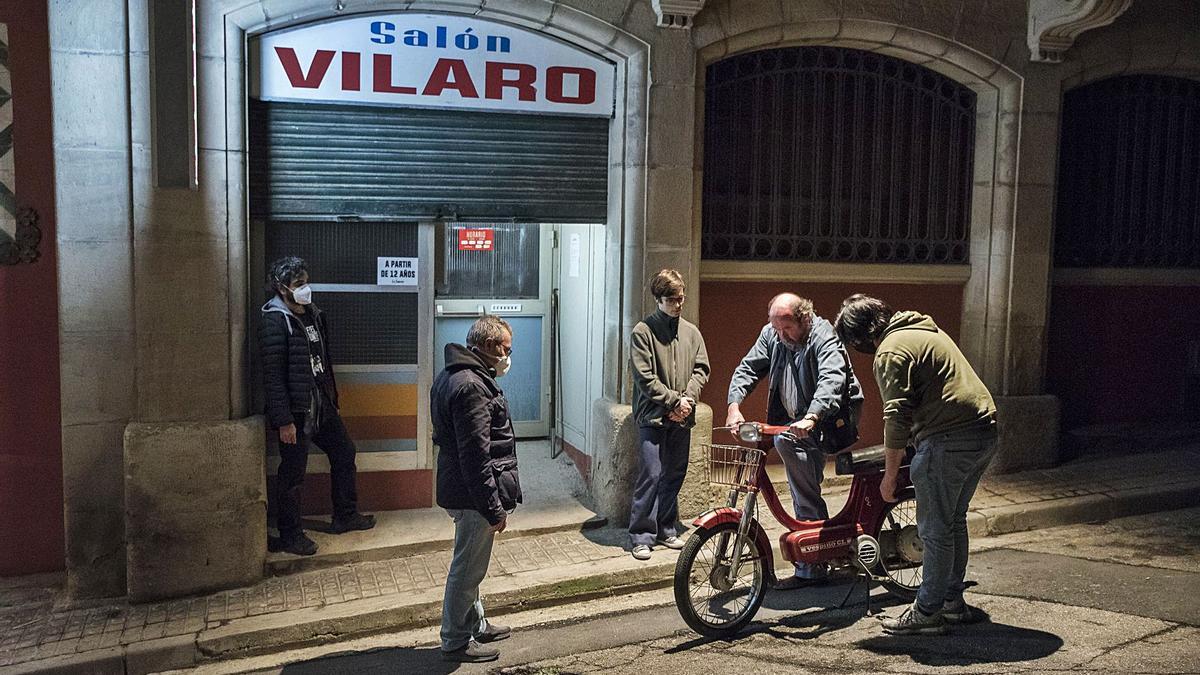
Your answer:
<point x="32" y="633"/>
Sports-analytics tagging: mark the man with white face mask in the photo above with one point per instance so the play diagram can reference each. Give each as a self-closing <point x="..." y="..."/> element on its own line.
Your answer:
<point x="812" y="388"/>
<point x="301" y="406"/>
<point x="477" y="480"/>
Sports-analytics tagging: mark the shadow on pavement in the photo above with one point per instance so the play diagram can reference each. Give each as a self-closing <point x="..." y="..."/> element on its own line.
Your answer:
<point x="392" y="660"/>
<point x="984" y="642"/>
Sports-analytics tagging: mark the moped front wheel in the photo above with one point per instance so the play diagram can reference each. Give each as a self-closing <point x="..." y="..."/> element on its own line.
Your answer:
<point x="901" y="555"/>
<point x="710" y="602"/>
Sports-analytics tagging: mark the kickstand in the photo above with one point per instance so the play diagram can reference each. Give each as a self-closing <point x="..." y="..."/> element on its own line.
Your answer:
<point x="860" y="577"/>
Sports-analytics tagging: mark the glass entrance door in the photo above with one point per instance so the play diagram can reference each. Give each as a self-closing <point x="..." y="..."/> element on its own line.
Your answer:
<point x="501" y="269"/>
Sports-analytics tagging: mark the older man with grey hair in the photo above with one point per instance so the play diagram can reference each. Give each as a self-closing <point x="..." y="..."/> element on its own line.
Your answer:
<point x="812" y="386"/>
<point x="477" y="480"/>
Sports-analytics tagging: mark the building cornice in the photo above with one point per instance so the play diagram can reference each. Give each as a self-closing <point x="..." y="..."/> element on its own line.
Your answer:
<point x="1055" y="24"/>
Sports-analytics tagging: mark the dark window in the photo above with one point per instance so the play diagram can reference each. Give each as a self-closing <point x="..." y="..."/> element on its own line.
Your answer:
<point x="826" y="154"/>
<point x="1129" y="174"/>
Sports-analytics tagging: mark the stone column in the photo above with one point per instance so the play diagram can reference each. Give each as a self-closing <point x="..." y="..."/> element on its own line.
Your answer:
<point x="89" y="72"/>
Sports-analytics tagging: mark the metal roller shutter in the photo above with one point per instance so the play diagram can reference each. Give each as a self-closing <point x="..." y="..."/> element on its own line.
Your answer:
<point x="319" y="161"/>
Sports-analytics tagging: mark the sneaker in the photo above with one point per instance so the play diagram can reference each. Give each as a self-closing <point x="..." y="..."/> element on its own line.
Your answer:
<point x="298" y="545"/>
<point x="641" y="552"/>
<point x="674" y="543"/>
<point x="358" y="521"/>
<point x="493" y="633"/>
<point x="915" y="622"/>
<point x="960" y="613"/>
<point x="472" y="652"/>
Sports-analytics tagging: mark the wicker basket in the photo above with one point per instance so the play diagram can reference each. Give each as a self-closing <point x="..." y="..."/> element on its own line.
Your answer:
<point x="734" y="466"/>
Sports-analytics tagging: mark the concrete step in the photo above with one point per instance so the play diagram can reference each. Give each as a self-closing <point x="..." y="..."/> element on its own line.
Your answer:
<point x="412" y="531"/>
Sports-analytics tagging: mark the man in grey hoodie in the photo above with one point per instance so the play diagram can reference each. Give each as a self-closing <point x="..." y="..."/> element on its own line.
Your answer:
<point x="670" y="367"/>
<point x="811" y="384"/>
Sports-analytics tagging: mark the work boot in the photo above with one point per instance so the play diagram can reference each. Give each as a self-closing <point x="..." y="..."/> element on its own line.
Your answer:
<point x="472" y="652"/>
<point x="358" y="521"/>
<point x="915" y="622"/>
<point x="493" y="633"/>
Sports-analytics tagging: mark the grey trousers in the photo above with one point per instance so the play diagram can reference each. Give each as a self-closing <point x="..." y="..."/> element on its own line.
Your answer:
<point x="663" y="455"/>
<point x="804" y="461"/>
<point x="945" y="472"/>
<point x="462" y="608"/>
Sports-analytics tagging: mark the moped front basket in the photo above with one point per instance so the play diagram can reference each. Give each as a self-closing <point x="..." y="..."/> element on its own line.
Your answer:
<point x="734" y="466"/>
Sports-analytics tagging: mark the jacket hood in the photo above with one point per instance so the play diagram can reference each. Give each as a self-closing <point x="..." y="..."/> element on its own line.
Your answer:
<point x="664" y="326"/>
<point x="910" y="321"/>
<point x="459" y="357"/>
<point x="276" y="304"/>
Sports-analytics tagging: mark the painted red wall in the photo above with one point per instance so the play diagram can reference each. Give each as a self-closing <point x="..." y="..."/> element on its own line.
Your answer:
<point x="732" y="314"/>
<point x="31" y="498"/>
<point x="1119" y="354"/>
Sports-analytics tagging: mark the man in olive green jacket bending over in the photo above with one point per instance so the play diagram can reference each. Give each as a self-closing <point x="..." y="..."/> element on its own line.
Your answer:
<point x="670" y="367"/>
<point x="933" y="401"/>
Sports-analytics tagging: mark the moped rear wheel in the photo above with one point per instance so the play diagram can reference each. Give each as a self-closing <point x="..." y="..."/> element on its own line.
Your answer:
<point x="901" y="552"/>
<point x="709" y="602"/>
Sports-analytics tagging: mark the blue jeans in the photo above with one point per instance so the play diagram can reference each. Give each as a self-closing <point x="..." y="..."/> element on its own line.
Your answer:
<point x="462" y="608"/>
<point x="663" y="464"/>
<point x="804" y="462"/>
<point x="945" y="472"/>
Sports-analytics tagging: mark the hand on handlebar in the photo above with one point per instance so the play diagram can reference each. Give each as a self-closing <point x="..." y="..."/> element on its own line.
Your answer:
<point x="733" y="419"/>
<point x="802" y="428"/>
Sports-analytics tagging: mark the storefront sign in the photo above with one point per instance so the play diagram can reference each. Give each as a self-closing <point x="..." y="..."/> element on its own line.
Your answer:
<point x="476" y="240"/>
<point x="430" y="60"/>
<point x="396" y="271"/>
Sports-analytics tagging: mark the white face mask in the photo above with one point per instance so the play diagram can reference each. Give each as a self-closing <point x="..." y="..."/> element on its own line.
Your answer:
<point x="503" y="365"/>
<point x="302" y="295"/>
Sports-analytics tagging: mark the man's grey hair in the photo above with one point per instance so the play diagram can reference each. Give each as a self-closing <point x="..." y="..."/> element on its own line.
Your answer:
<point x="487" y="327"/>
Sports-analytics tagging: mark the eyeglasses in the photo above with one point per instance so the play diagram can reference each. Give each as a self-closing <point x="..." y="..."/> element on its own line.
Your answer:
<point x="673" y="299"/>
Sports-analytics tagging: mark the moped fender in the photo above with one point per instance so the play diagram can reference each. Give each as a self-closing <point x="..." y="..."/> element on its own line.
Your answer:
<point x="725" y="514"/>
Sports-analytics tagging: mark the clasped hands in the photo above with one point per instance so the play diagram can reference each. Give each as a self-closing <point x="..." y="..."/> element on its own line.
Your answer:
<point x="682" y="410"/>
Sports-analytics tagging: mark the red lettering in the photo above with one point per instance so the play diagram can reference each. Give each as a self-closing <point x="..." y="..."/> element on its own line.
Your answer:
<point x="383" y="76"/>
<point x="439" y="79"/>
<point x="554" y="85"/>
<point x="495" y="81"/>
<point x="316" y="72"/>
<point x="351" y="71"/>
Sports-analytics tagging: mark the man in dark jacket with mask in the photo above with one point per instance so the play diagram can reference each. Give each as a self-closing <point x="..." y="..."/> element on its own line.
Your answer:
<point x="933" y="401"/>
<point x="302" y="406"/>
<point x="477" y="481"/>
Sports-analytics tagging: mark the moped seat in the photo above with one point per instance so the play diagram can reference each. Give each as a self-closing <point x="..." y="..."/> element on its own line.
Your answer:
<point x="864" y="460"/>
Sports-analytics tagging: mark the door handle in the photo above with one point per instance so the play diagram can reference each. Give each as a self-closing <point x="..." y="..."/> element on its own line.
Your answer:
<point x="479" y="311"/>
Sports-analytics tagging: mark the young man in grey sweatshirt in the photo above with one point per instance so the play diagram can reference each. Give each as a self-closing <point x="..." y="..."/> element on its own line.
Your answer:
<point x="670" y="367"/>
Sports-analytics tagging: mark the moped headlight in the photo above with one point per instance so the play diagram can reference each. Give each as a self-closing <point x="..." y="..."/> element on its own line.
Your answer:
<point x="749" y="432"/>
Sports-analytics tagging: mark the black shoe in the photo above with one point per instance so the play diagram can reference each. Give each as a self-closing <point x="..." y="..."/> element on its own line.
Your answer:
<point x="472" y="652"/>
<point x="298" y="545"/>
<point x="493" y="633"/>
<point x="794" y="582"/>
<point x="358" y="521"/>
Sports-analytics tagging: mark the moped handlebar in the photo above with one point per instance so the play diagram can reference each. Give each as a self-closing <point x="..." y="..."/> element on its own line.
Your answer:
<point x="753" y="432"/>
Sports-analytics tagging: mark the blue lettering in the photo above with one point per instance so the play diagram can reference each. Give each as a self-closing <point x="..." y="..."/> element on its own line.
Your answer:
<point x="498" y="44"/>
<point x="381" y="29"/>
<point x="416" y="38"/>
<point x="441" y="37"/>
<point x="466" y="41"/>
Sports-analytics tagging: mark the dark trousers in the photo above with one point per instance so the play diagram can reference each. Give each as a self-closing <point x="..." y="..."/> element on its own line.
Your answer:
<point x="663" y="464"/>
<point x="331" y="437"/>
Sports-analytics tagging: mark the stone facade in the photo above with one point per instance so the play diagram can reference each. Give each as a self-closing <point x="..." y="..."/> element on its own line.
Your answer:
<point x="154" y="281"/>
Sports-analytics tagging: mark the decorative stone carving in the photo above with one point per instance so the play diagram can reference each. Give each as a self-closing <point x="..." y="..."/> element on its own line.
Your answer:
<point x="1054" y="24"/>
<point x="676" y="13"/>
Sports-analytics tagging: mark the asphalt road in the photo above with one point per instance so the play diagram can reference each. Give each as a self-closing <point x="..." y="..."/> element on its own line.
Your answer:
<point x="1116" y="597"/>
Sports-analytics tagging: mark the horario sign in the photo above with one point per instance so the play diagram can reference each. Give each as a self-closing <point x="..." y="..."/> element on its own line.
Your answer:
<point x="430" y="60"/>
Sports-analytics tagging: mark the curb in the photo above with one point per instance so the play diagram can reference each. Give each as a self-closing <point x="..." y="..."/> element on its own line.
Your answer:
<point x="531" y="590"/>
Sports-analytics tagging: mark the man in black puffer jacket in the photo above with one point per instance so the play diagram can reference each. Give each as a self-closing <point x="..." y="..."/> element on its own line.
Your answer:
<point x="477" y="481"/>
<point x="301" y="406"/>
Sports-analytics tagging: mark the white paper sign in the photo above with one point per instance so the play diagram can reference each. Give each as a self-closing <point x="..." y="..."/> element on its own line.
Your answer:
<point x="573" y="248"/>
<point x="396" y="271"/>
<point x="431" y="61"/>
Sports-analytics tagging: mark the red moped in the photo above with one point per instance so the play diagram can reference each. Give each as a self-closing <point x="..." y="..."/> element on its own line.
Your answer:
<point x="727" y="564"/>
